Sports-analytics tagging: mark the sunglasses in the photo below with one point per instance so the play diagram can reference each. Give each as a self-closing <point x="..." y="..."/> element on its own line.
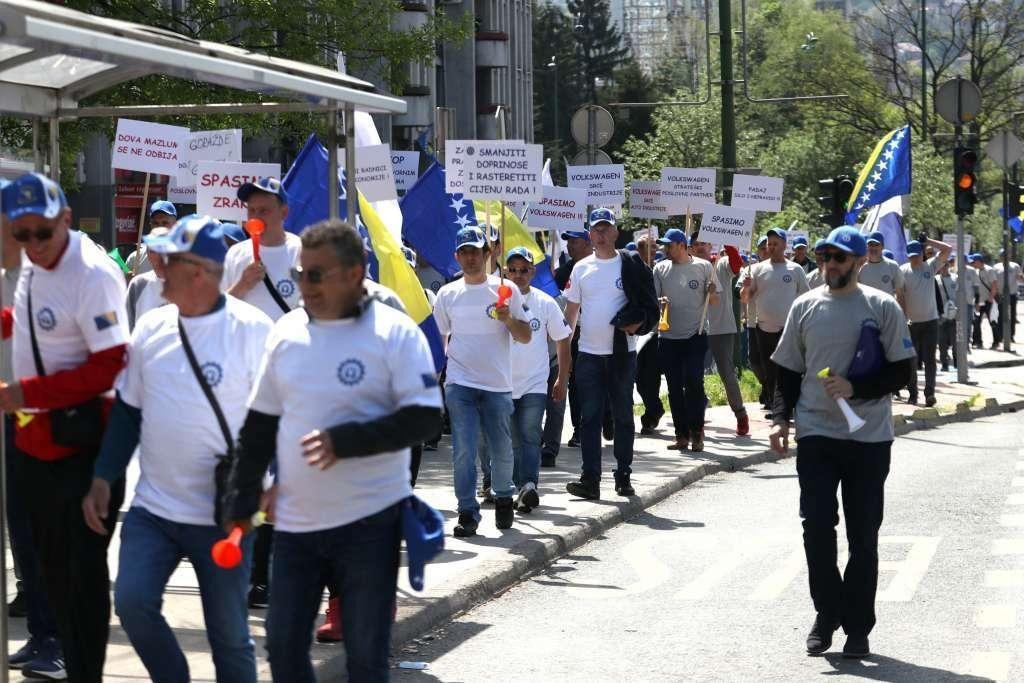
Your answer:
<point x="40" y="235"/>
<point x="837" y="256"/>
<point x="313" y="276"/>
<point x="518" y="271"/>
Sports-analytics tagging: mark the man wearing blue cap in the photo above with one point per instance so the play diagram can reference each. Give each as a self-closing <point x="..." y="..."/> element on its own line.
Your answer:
<point x="748" y="314"/>
<point x="478" y="379"/>
<point x="173" y="514"/>
<point x="988" y="291"/>
<point x="860" y="336"/>
<point x="347" y="386"/>
<point x="685" y="285"/>
<point x="69" y="345"/>
<point x="773" y="285"/>
<point x="145" y="290"/>
<point x="162" y="214"/>
<point x="946" y="284"/>
<point x="922" y="311"/>
<point x="800" y="255"/>
<point x="879" y="272"/>
<point x="817" y="278"/>
<point x="1014" y="279"/>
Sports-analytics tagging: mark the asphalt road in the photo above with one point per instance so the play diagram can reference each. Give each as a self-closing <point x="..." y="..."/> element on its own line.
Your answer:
<point x="711" y="584"/>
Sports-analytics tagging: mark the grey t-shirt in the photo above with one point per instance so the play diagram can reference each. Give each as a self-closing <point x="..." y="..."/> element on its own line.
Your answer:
<point x="776" y="286"/>
<point x="919" y="289"/>
<point x="816" y="279"/>
<point x="987" y="275"/>
<point x="720" y="317"/>
<point x="748" y="311"/>
<point x="884" y="275"/>
<point x="1014" y="274"/>
<point x="972" y="282"/>
<point x="685" y="285"/>
<point x="823" y="330"/>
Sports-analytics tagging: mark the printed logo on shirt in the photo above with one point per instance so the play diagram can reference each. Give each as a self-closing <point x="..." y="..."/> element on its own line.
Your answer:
<point x="885" y="278"/>
<point x="46" y="319"/>
<point x="787" y="278"/>
<point x="693" y="284"/>
<point x="907" y="344"/>
<point x="285" y="288"/>
<point x="492" y="311"/>
<point x="105" y="320"/>
<point x="618" y="283"/>
<point x="351" y="372"/>
<point x="212" y="373"/>
<point x="435" y="285"/>
<point x="534" y="324"/>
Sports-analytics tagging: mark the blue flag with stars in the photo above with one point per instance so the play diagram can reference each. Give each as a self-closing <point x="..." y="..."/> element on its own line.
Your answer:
<point x="885" y="175"/>
<point x="431" y="218"/>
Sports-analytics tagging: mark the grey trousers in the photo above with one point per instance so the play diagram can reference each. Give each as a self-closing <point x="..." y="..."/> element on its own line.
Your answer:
<point x="721" y="349"/>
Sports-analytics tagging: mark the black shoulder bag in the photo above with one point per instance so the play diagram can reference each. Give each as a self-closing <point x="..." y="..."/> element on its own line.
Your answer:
<point x="224" y="461"/>
<point x="275" y="295"/>
<point x="79" y="427"/>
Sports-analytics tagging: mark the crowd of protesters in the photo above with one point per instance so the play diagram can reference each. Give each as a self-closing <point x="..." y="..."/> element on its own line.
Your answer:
<point x="281" y="383"/>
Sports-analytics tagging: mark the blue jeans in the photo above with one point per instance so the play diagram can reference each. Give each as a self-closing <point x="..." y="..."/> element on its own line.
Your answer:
<point x="151" y="549"/>
<point x="361" y="559"/>
<point x="601" y="378"/>
<point x="682" y="361"/>
<point x="527" y="421"/>
<point x="471" y="410"/>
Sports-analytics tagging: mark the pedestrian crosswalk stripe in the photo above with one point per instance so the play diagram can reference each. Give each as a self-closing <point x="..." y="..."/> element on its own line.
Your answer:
<point x="993" y="666"/>
<point x="1017" y="481"/>
<point x="1008" y="546"/>
<point x="995" y="616"/>
<point x="1004" y="578"/>
<point x="1015" y="499"/>
<point x="1020" y="465"/>
<point x="1015" y="520"/>
<point x="908" y="571"/>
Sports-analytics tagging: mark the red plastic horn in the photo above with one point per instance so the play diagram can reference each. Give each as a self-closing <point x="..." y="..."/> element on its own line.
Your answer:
<point x="226" y="552"/>
<point x="255" y="228"/>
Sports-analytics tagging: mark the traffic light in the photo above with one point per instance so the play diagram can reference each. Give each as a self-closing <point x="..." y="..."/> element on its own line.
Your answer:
<point x="834" y="198"/>
<point x="1016" y="200"/>
<point x="965" y="182"/>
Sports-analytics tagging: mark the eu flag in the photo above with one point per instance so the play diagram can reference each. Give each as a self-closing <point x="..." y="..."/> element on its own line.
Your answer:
<point x="431" y="218"/>
<point x="885" y="175"/>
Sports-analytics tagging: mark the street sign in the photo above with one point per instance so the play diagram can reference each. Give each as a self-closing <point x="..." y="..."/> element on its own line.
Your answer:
<point x="604" y="125"/>
<point x="958" y="101"/>
<point x="600" y="158"/>
<point x="1005" y="149"/>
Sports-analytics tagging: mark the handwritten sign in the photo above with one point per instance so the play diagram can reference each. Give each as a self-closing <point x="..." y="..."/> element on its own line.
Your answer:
<point x="727" y="225"/>
<point x="218" y="182"/>
<point x="645" y="200"/>
<point x="148" y="147"/>
<point x="561" y="208"/>
<point x="687" y="189"/>
<point x="203" y="145"/>
<point x="406" y="166"/>
<point x="757" y="192"/>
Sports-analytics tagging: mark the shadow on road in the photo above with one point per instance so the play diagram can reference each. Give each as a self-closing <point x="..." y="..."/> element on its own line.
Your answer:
<point x="882" y="668"/>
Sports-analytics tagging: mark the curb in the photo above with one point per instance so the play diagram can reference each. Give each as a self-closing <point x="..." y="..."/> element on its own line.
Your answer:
<point x="537" y="553"/>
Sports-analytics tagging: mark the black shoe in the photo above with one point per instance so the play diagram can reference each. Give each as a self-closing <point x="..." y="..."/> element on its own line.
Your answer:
<point x="485" y="492"/>
<point x="259" y="596"/>
<point x="929" y="401"/>
<point x="17" y="606"/>
<point x="624" y="488"/>
<point x="819" y="640"/>
<point x="574" y="441"/>
<point x="856" y="647"/>
<point x="467" y="525"/>
<point x="584" y="489"/>
<point x="647" y="429"/>
<point x="912" y="400"/>
<point x="528" y="497"/>
<point x="503" y="513"/>
<point x="547" y="459"/>
<point x="608" y="432"/>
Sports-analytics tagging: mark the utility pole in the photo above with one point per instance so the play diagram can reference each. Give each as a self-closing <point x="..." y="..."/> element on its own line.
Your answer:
<point x="924" y="70"/>
<point x="728" y="99"/>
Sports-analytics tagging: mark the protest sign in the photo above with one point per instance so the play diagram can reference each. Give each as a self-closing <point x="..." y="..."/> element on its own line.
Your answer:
<point x="218" y="182"/>
<point x="406" y="166"/>
<point x="148" y="147"/>
<point x="727" y="225"/>
<point x="509" y="170"/>
<point x="203" y="145"/>
<point x="375" y="177"/>
<point x="605" y="183"/>
<point x="687" y="189"/>
<point x="950" y="238"/>
<point x="757" y="192"/>
<point x="645" y="200"/>
<point x="560" y="208"/>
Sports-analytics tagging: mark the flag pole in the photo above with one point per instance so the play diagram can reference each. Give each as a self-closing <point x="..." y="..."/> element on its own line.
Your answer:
<point x="142" y="224"/>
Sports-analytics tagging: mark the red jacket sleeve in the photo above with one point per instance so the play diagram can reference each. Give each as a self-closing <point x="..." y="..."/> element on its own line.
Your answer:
<point x="735" y="262"/>
<point x="77" y="385"/>
<point x="8" y="322"/>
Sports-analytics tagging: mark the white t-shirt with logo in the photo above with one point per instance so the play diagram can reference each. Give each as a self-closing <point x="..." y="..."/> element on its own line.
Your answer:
<point x="278" y="261"/>
<point x="318" y="374"/>
<point x="78" y="308"/>
<point x="430" y="278"/>
<point x="530" y="362"/>
<point x="480" y="346"/>
<point x="180" y="438"/>
<point x="596" y="285"/>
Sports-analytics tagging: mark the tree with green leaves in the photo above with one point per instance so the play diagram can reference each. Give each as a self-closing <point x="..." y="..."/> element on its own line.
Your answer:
<point x="599" y="43"/>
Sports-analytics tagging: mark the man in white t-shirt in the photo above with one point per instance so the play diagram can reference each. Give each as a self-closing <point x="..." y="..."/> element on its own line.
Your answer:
<point x="265" y="283"/>
<point x="145" y="290"/>
<point x="530" y="369"/>
<point x="478" y="379"/>
<point x="162" y="216"/>
<point x="1014" y="271"/>
<point x="347" y="385"/>
<point x="172" y="516"/>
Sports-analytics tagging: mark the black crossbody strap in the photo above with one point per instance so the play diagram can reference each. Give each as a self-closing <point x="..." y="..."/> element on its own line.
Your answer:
<point x="40" y="370"/>
<point x="275" y="295"/>
<point x="197" y="371"/>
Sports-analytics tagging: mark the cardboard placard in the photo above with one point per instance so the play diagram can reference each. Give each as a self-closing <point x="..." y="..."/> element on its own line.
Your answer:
<point x="560" y="208"/>
<point x="727" y="225"/>
<point x="950" y="238"/>
<point x="757" y="192"/>
<point x="375" y="177"/>
<point x="406" y="167"/>
<point x="645" y="200"/>
<point x="687" y="189"/>
<point x="148" y="147"/>
<point x="509" y="170"/>
<point x="203" y="145"/>
<point x="605" y="183"/>
<point x="217" y="187"/>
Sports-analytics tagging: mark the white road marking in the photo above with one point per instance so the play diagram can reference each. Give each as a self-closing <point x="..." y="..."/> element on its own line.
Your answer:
<point x="1014" y="520"/>
<point x="995" y="616"/>
<point x="1008" y="546"/>
<point x="909" y="571"/>
<point x="778" y="581"/>
<point x="989" y="665"/>
<point x="1017" y="481"/>
<point x="1004" y="578"/>
<point x="1020" y="465"/>
<point x="1015" y="499"/>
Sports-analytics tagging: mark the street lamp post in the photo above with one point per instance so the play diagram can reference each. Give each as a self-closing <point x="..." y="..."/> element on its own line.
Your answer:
<point x="553" y="65"/>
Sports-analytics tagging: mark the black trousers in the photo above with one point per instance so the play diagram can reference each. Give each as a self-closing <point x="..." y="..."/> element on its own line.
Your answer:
<point x="754" y="361"/>
<point x="947" y="342"/>
<point x="925" y="337"/>
<point x="766" y="343"/>
<point x="979" y="315"/>
<point x="260" y="572"/>
<point x="998" y="327"/>
<point x="648" y="382"/>
<point x="822" y="465"/>
<point x="73" y="559"/>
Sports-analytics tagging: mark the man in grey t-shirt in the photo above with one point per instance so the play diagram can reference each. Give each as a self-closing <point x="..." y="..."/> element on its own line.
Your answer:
<point x="922" y="310"/>
<point x="880" y="272"/>
<point x="824" y="332"/>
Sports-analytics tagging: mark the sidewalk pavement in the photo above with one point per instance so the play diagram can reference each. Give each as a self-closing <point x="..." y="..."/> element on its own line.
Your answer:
<point x="473" y="570"/>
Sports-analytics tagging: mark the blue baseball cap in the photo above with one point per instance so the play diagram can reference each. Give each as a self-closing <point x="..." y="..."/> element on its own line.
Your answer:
<point x="876" y="237"/>
<point x="580" y="234"/>
<point x="33" y="193"/>
<point x="521" y="252"/>
<point x="762" y="240"/>
<point x="164" y="206"/>
<point x="234" y="231"/>
<point x="887" y="253"/>
<point x="674" y="236"/>
<point x="847" y="238"/>
<point x="601" y="215"/>
<point x="193" y="234"/>
<point x="799" y="241"/>
<point x="269" y="185"/>
<point x="778" y="232"/>
<point x="819" y="245"/>
<point x="914" y="248"/>
<point x="470" y="237"/>
<point x="631" y="246"/>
